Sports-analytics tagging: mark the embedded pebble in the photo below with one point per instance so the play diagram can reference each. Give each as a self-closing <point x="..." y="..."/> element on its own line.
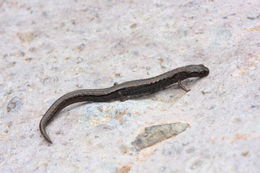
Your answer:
<point x="158" y="133"/>
<point x="14" y="104"/>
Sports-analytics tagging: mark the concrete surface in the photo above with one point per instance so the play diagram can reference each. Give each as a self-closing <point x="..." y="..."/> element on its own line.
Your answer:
<point x="51" y="47"/>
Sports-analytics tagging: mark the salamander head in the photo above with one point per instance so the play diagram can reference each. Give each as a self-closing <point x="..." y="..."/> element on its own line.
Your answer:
<point x="197" y="70"/>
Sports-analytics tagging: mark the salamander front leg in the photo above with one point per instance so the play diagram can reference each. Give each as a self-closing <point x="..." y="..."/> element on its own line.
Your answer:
<point x="182" y="87"/>
<point x="122" y="98"/>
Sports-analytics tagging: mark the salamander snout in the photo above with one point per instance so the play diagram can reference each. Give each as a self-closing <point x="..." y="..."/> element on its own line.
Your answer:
<point x="204" y="71"/>
<point x="197" y="70"/>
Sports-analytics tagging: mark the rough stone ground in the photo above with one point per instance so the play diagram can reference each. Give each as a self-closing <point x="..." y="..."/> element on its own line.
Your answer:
<point x="51" y="47"/>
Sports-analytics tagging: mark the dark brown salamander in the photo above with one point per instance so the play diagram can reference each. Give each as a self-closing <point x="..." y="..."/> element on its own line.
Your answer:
<point x="123" y="91"/>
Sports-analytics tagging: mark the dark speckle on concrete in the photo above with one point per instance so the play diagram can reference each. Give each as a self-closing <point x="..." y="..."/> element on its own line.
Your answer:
<point x="81" y="47"/>
<point x="196" y="164"/>
<point x="79" y="60"/>
<point x="190" y="150"/>
<point x="253" y="18"/>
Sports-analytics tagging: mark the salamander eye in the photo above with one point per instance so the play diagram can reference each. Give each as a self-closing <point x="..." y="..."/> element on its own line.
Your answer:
<point x="204" y="72"/>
